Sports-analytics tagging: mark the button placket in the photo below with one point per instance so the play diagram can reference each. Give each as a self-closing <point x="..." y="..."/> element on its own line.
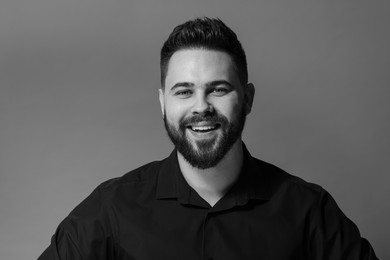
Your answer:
<point x="207" y="238"/>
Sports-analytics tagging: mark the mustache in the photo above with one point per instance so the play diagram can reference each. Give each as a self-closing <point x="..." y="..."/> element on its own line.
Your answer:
<point x="214" y="118"/>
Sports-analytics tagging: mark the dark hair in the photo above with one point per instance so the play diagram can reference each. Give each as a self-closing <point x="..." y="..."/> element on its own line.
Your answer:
<point x="204" y="33"/>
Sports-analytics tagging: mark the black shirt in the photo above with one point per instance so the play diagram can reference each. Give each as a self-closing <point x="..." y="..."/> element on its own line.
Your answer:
<point x="152" y="213"/>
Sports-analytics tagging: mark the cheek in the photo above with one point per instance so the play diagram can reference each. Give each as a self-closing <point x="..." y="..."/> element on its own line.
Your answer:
<point x="231" y="108"/>
<point x="174" y="112"/>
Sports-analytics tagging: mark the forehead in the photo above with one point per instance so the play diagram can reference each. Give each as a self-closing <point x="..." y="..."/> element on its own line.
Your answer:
<point x="199" y="66"/>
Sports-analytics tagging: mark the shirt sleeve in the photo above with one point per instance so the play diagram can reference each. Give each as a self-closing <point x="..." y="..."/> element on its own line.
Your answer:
<point x="62" y="246"/>
<point x="84" y="234"/>
<point x="335" y="237"/>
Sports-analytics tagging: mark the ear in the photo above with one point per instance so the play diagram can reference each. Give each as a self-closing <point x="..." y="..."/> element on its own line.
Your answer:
<point x="161" y="98"/>
<point x="249" y="94"/>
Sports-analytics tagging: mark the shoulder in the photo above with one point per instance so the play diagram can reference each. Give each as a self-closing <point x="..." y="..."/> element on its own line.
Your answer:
<point x="279" y="183"/>
<point x="137" y="177"/>
<point x="120" y="190"/>
<point x="94" y="217"/>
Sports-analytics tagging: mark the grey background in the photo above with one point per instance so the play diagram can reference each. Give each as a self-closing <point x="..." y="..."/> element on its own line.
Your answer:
<point x="79" y="101"/>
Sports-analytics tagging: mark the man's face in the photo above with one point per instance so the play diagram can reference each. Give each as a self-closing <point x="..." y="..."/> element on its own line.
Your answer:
<point x="204" y="105"/>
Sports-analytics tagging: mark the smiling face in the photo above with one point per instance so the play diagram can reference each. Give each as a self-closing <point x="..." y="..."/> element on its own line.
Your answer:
<point x="204" y="105"/>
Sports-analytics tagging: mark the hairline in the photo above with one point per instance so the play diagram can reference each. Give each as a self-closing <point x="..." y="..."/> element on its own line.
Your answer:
<point x="200" y="47"/>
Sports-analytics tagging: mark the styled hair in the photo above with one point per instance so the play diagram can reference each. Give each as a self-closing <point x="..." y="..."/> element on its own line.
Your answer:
<point x="204" y="33"/>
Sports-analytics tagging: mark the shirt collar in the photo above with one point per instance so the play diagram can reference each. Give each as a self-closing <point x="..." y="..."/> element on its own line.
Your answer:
<point x="251" y="184"/>
<point x="167" y="181"/>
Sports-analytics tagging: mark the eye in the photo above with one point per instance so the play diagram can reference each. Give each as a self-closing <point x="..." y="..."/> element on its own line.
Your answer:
<point x="219" y="92"/>
<point x="183" y="93"/>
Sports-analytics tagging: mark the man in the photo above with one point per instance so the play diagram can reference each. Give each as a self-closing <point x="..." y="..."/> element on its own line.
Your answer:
<point x="210" y="199"/>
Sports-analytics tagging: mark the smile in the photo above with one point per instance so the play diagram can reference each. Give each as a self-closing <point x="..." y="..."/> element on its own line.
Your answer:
<point x="204" y="128"/>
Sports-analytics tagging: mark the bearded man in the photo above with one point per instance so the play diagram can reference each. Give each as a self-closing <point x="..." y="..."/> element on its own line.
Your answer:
<point x="210" y="199"/>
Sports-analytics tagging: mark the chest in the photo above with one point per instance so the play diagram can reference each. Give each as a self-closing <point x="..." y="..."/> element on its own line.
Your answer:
<point x="172" y="231"/>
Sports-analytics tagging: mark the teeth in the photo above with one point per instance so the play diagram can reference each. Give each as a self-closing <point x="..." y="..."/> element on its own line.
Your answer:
<point x="202" y="128"/>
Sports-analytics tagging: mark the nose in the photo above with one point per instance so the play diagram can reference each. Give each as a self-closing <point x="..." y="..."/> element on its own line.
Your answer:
<point x="201" y="104"/>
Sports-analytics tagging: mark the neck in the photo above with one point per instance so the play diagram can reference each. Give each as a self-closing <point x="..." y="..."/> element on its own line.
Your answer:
<point x="213" y="183"/>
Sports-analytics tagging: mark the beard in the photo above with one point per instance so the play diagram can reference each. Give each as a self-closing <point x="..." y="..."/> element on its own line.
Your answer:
<point x="206" y="153"/>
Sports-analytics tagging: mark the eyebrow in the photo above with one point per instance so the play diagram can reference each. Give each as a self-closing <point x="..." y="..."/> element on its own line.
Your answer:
<point x="209" y="84"/>
<point x="182" y="84"/>
<point x="219" y="82"/>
